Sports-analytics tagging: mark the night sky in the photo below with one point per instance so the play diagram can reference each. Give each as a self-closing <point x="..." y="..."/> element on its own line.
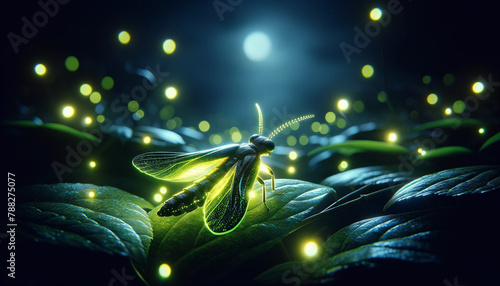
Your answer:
<point x="305" y="71"/>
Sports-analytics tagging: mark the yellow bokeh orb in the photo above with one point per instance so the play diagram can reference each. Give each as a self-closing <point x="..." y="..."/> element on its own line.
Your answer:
<point x="432" y="99"/>
<point x="375" y="14"/>
<point x="40" y="69"/>
<point x="204" y="126"/>
<point x="158" y="198"/>
<point x="392" y="137"/>
<point x="311" y="249"/>
<point x="86" y="89"/>
<point x="124" y="37"/>
<point x="169" y="46"/>
<point x="367" y="71"/>
<point x="164" y="270"/>
<point x="171" y="92"/>
<point x="343" y="166"/>
<point x="68" y="111"/>
<point x="478" y="87"/>
<point x="343" y="104"/>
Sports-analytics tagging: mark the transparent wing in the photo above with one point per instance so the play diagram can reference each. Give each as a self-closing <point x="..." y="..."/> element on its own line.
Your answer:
<point x="227" y="202"/>
<point x="182" y="167"/>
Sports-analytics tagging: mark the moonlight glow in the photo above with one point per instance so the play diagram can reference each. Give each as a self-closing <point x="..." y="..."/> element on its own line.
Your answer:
<point x="257" y="46"/>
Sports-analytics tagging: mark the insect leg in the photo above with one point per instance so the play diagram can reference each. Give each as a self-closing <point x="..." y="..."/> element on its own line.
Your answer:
<point x="273" y="185"/>
<point x="261" y="182"/>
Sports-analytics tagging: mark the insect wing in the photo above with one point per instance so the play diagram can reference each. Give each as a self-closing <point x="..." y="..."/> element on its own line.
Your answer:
<point x="182" y="167"/>
<point x="227" y="202"/>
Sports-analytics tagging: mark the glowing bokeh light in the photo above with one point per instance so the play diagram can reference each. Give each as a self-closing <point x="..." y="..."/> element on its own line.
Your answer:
<point x="158" y="198"/>
<point x="421" y="151"/>
<point x="426" y="79"/>
<point x="171" y="92"/>
<point x="293" y="155"/>
<point x="92" y="164"/>
<point x="432" y="99"/>
<point x="236" y="136"/>
<point x="481" y="130"/>
<point x="375" y="14"/>
<point x="358" y="106"/>
<point x="86" y="89"/>
<point x="169" y="46"/>
<point x="124" y="37"/>
<point x="164" y="270"/>
<point x="341" y="123"/>
<point x="367" y="71"/>
<point x="291" y="170"/>
<point x="303" y="140"/>
<point x="146" y="139"/>
<point x="324" y="128"/>
<point x="315" y="126"/>
<point x="343" y="166"/>
<point x="291" y="140"/>
<point x="215" y="139"/>
<point x="95" y="97"/>
<point x="311" y="249"/>
<point x="68" y="111"/>
<point x="71" y="63"/>
<point x="91" y="194"/>
<point x="382" y="96"/>
<point x="458" y="107"/>
<point x="171" y="124"/>
<point x="138" y="114"/>
<point x="163" y="190"/>
<point x="257" y="46"/>
<point x="204" y="126"/>
<point x="330" y="117"/>
<point x="133" y="106"/>
<point x="447" y="111"/>
<point x="40" y="69"/>
<point x="343" y="104"/>
<point x="100" y="118"/>
<point x="478" y="87"/>
<point x="392" y="137"/>
<point x="107" y="83"/>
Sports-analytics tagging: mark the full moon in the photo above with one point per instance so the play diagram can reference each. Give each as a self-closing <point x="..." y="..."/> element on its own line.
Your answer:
<point x="257" y="46"/>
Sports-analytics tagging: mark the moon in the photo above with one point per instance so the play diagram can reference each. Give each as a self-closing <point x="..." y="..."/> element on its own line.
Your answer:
<point x="257" y="46"/>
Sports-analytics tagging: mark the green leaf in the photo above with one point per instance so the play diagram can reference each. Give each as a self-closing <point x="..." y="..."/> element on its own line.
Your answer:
<point x="55" y="128"/>
<point x="349" y="148"/>
<point x="193" y="252"/>
<point x="450" y="123"/>
<point x="449" y="183"/>
<point x="112" y="221"/>
<point x="443" y="152"/>
<point x="493" y="139"/>
<point x="391" y="250"/>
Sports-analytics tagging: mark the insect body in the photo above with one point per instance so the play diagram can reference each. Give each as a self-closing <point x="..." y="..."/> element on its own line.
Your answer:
<point x="223" y="178"/>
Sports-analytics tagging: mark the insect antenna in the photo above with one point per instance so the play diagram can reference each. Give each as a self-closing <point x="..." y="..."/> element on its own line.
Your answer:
<point x="260" y="118"/>
<point x="288" y="124"/>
